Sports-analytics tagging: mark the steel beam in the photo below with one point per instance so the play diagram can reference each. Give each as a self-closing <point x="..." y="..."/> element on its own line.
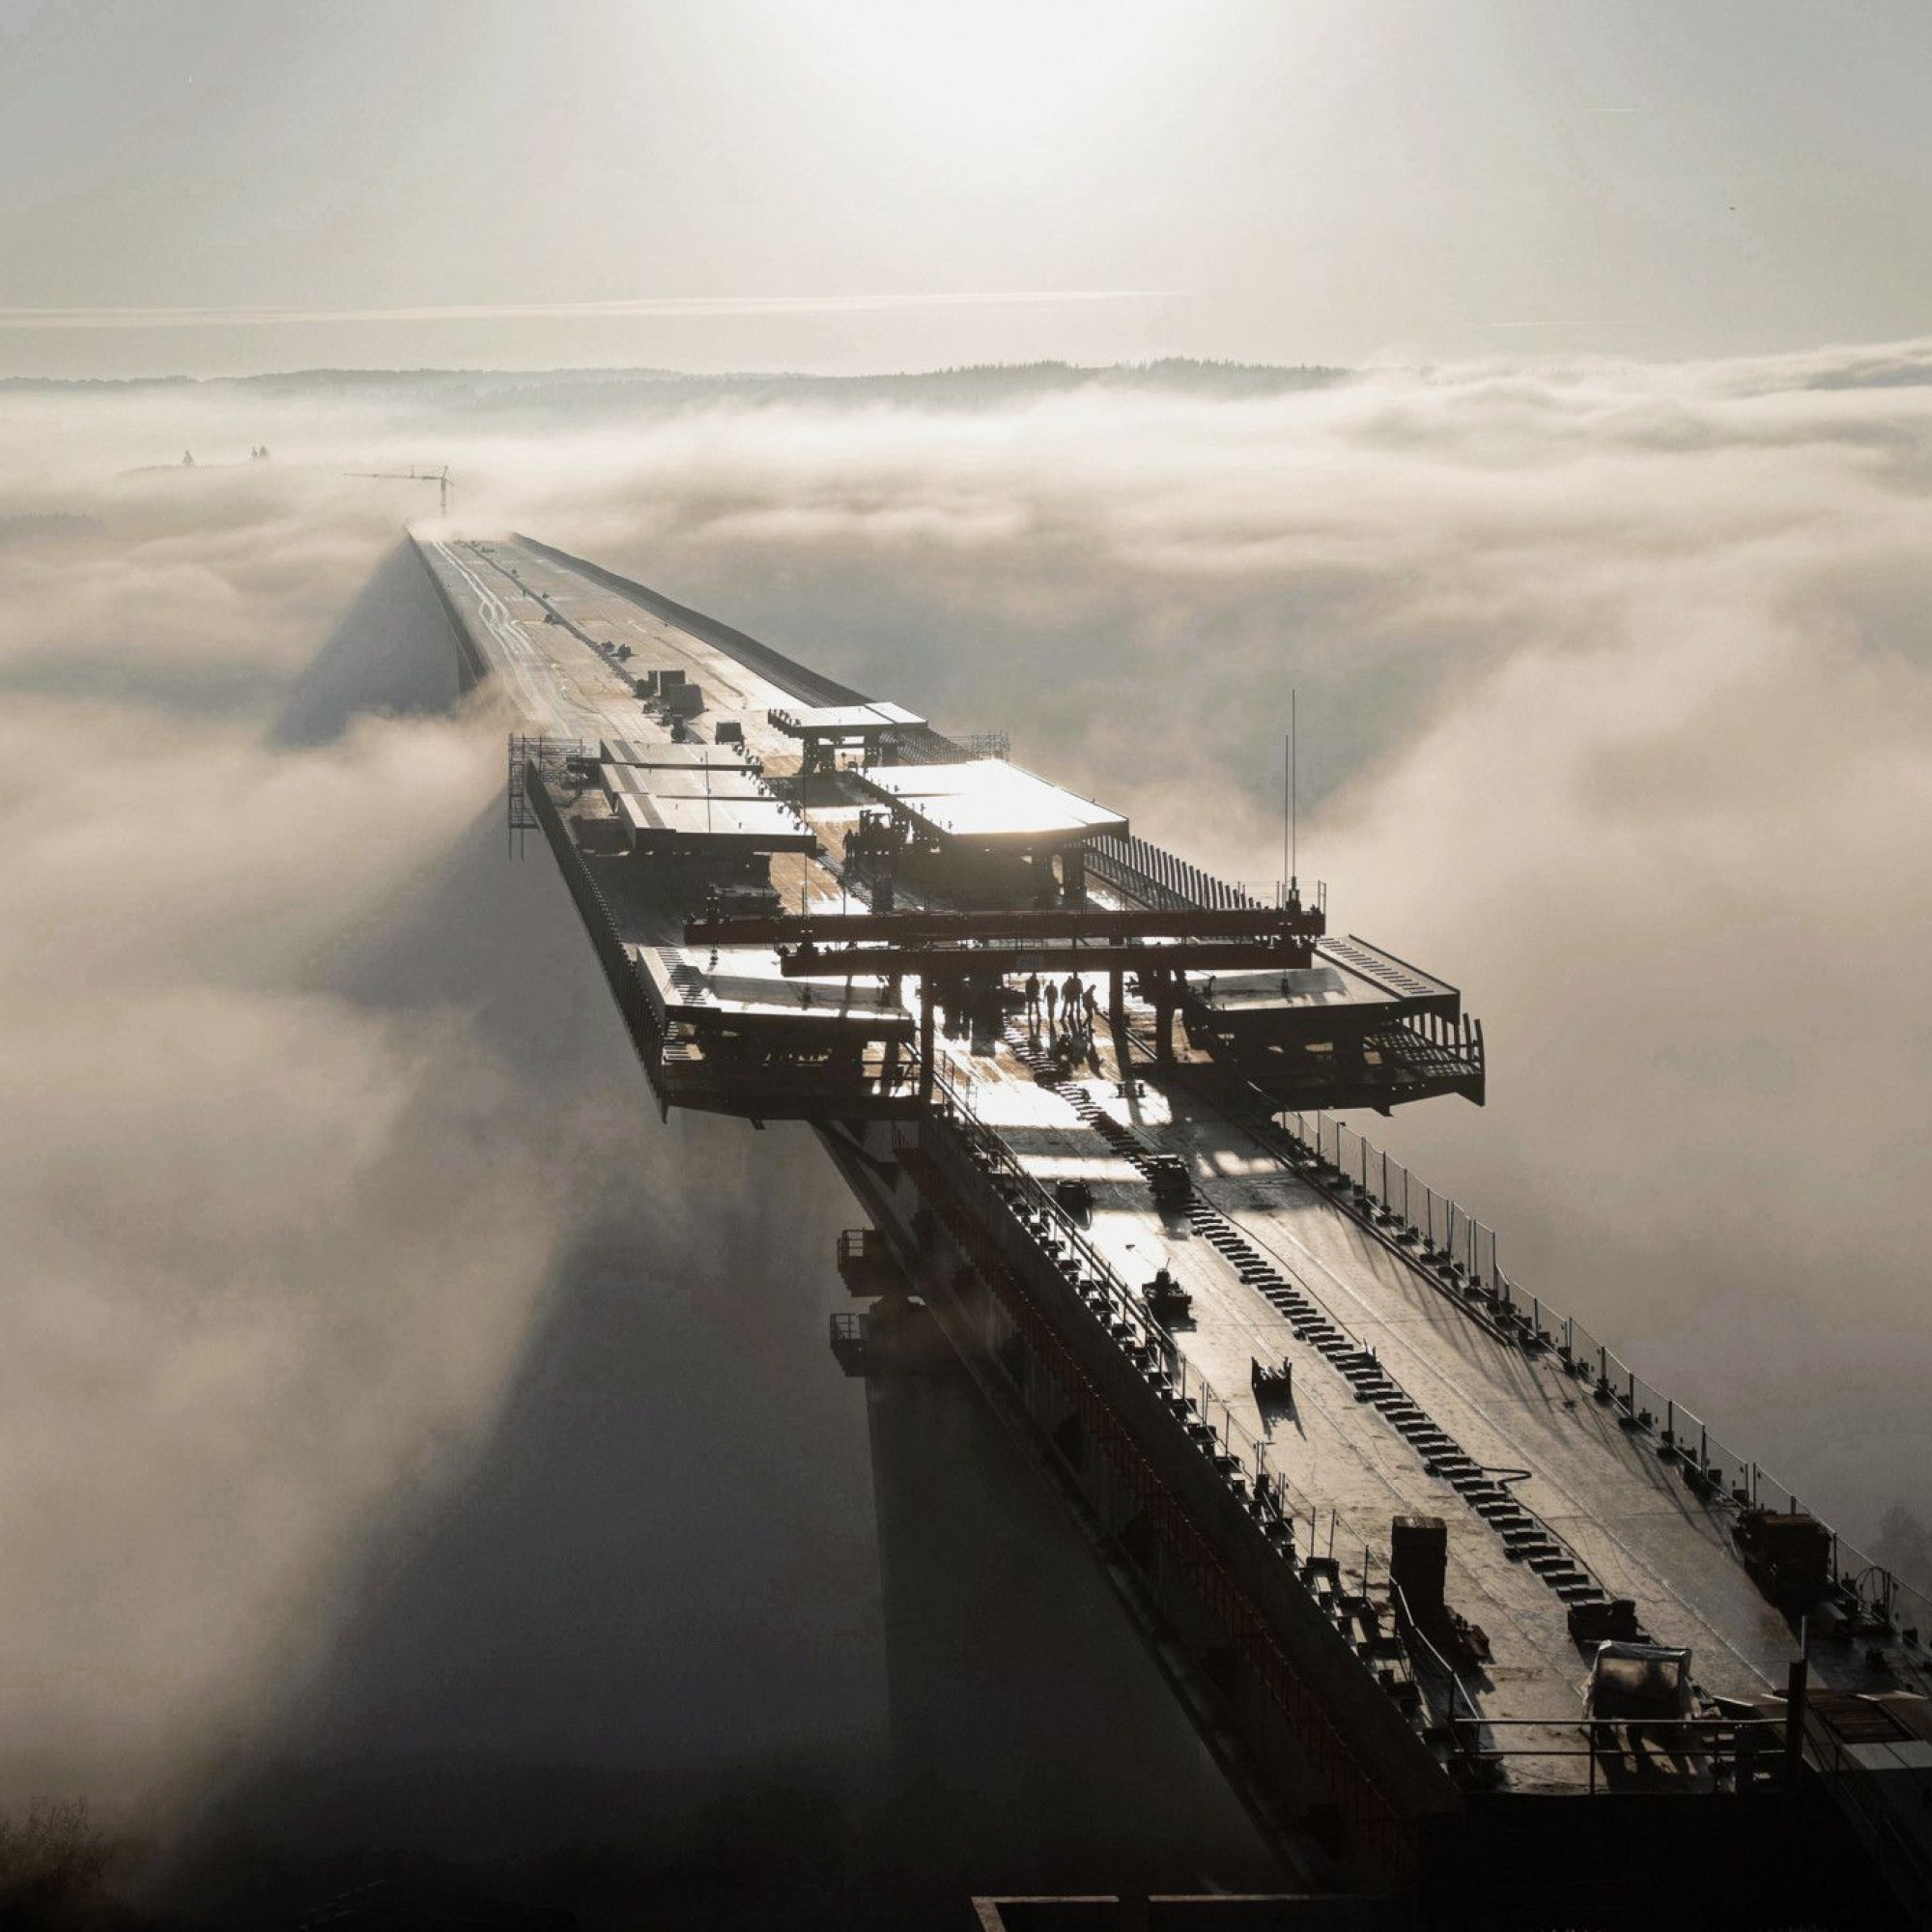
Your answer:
<point x="993" y="962"/>
<point x="1065" y="922"/>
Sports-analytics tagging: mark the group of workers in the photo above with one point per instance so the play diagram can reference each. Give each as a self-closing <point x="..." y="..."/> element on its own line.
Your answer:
<point x="1070" y="1007"/>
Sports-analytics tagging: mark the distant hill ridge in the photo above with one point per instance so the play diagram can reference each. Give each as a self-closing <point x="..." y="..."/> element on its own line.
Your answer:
<point x="496" y="391"/>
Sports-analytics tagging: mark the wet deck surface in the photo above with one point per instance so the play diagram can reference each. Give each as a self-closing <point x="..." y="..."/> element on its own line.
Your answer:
<point x="1627" y="1515"/>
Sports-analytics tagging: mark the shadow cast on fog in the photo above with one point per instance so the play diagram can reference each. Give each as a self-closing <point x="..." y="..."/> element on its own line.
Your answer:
<point x="627" y="1650"/>
<point x="389" y="653"/>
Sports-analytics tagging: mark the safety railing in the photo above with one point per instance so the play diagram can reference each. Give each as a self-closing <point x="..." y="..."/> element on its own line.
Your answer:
<point x="926" y="746"/>
<point x="1862" y="1794"/>
<point x="1161" y="879"/>
<point x="1459" y="1252"/>
<point x="1439" y="1228"/>
<point x="852" y="1341"/>
<point x="979" y="1188"/>
<point x="1740" y="1750"/>
<point x="860" y="1246"/>
<point x="1313" y="892"/>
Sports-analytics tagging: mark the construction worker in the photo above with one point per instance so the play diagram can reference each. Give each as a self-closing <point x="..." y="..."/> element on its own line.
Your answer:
<point x="1092" y="1003"/>
<point x="1070" y="1002"/>
<point x="1052" y="996"/>
<point x="1032" y="1001"/>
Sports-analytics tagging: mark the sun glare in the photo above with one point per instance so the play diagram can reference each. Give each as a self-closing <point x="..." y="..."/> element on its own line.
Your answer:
<point x="996" y="82"/>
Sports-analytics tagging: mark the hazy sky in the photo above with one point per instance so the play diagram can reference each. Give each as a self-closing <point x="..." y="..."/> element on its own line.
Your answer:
<point x="863" y="184"/>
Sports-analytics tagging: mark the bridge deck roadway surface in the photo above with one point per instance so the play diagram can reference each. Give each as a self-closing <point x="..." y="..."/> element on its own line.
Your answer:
<point x="1627" y="1516"/>
<point x="554" y="684"/>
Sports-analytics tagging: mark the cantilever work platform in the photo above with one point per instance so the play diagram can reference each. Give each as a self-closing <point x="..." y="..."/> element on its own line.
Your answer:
<point x="989" y="802"/>
<point x="746" y="983"/>
<point x="685" y="782"/>
<point x="822" y="728"/>
<point x="688" y="826"/>
<point x="669" y="756"/>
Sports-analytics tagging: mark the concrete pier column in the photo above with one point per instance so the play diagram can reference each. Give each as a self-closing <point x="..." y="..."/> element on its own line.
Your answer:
<point x="1033" y="1741"/>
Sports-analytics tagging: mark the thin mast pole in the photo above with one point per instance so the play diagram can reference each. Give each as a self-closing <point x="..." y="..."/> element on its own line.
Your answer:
<point x="1292" y="803"/>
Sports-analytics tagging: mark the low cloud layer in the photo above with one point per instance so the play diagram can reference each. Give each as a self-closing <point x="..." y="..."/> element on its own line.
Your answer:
<point x="1614" y="689"/>
<point x="418" y="1458"/>
<point x="268" y="1249"/>
<point x="1615" y="704"/>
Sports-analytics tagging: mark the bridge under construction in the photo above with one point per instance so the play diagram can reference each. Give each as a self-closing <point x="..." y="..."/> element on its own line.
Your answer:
<point x="1472" y="1617"/>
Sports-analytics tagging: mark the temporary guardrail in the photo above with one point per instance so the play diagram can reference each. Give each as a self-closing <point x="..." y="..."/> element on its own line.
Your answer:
<point x="929" y="746"/>
<point x="1460" y="1253"/>
<point x="1160" y="878"/>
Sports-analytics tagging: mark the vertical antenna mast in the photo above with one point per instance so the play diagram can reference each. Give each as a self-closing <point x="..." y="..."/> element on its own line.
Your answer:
<point x="1290" y="804"/>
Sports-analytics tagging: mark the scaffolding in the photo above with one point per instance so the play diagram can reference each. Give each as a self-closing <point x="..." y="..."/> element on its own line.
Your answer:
<point x="551" y="758"/>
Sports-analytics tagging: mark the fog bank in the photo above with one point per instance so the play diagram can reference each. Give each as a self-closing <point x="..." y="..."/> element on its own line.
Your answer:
<point x="1614" y="689"/>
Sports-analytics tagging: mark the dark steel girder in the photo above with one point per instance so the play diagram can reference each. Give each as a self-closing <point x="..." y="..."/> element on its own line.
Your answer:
<point x="1269" y="925"/>
<point x="993" y="962"/>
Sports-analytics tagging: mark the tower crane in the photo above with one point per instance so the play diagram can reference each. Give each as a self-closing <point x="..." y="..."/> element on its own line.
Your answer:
<point x="414" y="474"/>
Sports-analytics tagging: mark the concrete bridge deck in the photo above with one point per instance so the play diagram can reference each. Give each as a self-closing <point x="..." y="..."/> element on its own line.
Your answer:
<point x="1633" y="1525"/>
